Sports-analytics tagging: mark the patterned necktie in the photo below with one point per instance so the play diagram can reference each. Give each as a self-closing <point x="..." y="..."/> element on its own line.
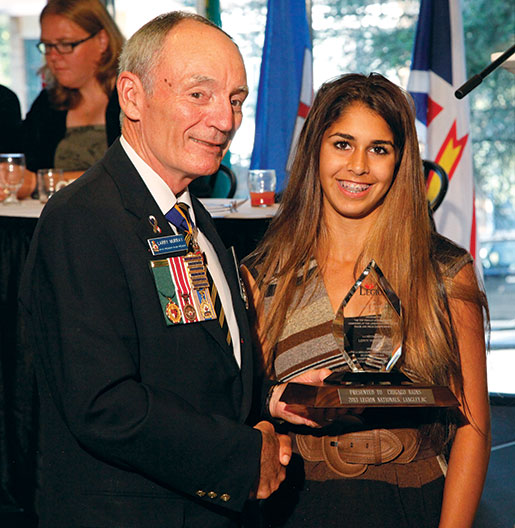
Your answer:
<point x="179" y="216"/>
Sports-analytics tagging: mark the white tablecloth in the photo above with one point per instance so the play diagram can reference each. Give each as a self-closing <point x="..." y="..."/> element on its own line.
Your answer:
<point x="218" y="208"/>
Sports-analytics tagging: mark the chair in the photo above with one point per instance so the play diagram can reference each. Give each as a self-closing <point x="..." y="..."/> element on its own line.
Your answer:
<point x="223" y="183"/>
<point x="437" y="183"/>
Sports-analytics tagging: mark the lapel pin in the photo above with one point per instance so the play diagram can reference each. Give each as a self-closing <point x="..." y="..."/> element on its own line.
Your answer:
<point x="153" y="223"/>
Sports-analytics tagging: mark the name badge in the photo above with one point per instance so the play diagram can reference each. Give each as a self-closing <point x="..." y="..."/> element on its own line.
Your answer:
<point x="168" y="244"/>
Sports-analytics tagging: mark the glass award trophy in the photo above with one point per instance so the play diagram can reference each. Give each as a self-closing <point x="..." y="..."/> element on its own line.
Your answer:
<point x="368" y="330"/>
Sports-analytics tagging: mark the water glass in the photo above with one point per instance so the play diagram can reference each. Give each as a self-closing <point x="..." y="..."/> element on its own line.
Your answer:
<point x="49" y="182"/>
<point x="12" y="173"/>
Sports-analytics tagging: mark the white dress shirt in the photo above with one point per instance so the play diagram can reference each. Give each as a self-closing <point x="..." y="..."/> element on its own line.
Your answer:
<point x="166" y="199"/>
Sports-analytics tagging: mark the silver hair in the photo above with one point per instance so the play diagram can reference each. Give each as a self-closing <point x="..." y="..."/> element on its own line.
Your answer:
<point x="142" y="51"/>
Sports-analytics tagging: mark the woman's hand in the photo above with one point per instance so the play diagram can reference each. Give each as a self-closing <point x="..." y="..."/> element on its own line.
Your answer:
<point x="28" y="185"/>
<point x="70" y="176"/>
<point x="278" y="409"/>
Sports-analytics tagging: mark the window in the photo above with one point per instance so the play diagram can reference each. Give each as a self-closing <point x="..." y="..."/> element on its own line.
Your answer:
<point x="350" y="35"/>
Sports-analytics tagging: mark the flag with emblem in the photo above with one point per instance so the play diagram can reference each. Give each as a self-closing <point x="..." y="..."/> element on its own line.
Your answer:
<point x="285" y="87"/>
<point x="437" y="71"/>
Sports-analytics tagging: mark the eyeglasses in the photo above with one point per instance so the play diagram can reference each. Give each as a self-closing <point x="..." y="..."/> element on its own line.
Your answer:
<point x="63" y="48"/>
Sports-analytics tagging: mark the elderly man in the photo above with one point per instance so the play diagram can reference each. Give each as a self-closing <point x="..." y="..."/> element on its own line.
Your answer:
<point x="144" y="389"/>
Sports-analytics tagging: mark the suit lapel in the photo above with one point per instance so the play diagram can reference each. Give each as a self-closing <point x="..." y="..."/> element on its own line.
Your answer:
<point x="134" y="194"/>
<point x="205" y="223"/>
<point x="138" y="200"/>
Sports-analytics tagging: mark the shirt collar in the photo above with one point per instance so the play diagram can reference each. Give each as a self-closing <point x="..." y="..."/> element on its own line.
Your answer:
<point x="162" y="194"/>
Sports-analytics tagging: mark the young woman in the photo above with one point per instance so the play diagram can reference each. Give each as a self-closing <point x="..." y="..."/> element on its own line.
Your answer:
<point x="76" y="115"/>
<point x="356" y="193"/>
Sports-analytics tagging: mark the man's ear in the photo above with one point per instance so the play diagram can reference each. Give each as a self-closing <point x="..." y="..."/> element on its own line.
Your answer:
<point x="130" y="94"/>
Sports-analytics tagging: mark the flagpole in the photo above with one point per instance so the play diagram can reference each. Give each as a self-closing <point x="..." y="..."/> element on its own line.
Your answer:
<point x="467" y="87"/>
<point x="309" y="4"/>
<point x="201" y="7"/>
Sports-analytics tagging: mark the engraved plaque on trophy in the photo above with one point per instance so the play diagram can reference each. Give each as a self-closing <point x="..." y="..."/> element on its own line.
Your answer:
<point x="368" y="330"/>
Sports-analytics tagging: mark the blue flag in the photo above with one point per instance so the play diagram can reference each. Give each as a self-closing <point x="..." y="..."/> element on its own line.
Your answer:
<point x="437" y="70"/>
<point x="285" y="87"/>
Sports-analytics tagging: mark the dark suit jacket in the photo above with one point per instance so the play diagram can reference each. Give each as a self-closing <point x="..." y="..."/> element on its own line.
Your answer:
<point x="142" y="423"/>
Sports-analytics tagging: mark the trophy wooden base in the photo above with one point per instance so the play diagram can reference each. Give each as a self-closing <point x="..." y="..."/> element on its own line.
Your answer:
<point x="394" y="377"/>
<point x="377" y="390"/>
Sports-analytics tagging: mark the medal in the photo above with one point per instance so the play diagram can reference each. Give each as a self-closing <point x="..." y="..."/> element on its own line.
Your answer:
<point x="206" y="310"/>
<point x="183" y="287"/>
<point x="196" y="247"/>
<point x="243" y="291"/>
<point x="203" y="300"/>
<point x="196" y="270"/>
<point x="166" y="291"/>
<point x="173" y="312"/>
<point x="188" y="309"/>
<point x="191" y="240"/>
<point x="189" y="312"/>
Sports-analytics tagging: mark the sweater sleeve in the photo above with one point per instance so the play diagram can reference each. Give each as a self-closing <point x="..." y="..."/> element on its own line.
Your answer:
<point x="42" y="130"/>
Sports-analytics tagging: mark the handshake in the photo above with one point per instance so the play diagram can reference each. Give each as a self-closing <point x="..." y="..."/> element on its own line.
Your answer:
<point x="276" y="448"/>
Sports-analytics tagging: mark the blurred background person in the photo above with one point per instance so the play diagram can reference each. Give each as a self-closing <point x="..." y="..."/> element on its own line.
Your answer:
<point x="76" y="116"/>
<point x="10" y="117"/>
<point x="10" y="135"/>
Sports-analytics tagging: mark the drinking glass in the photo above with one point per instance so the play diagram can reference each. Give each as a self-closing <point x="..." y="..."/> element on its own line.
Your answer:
<point x="261" y="184"/>
<point x="12" y="172"/>
<point x="49" y="182"/>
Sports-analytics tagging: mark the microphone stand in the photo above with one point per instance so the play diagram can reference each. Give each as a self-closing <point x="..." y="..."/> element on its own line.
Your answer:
<point x="463" y="90"/>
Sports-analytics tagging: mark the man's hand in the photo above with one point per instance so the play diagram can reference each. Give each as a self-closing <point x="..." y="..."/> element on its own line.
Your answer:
<point x="277" y="408"/>
<point x="275" y="456"/>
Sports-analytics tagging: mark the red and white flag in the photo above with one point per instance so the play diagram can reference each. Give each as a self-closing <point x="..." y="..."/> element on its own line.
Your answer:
<point x="437" y="71"/>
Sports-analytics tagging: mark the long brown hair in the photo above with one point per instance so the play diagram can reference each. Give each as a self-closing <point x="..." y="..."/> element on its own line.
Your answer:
<point x="402" y="240"/>
<point x="92" y="16"/>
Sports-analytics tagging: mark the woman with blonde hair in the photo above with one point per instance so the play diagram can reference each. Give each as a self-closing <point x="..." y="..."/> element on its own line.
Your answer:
<point x="356" y="193"/>
<point x="76" y="115"/>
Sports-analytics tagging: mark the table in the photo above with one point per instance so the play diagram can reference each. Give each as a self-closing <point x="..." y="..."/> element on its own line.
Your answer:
<point x="227" y="208"/>
<point x="243" y="226"/>
<point x="238" y="224"/>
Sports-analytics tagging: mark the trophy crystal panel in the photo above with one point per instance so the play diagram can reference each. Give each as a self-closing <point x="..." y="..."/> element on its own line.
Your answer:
<point x="368" y="330"/>
<point x="368" y="324"/>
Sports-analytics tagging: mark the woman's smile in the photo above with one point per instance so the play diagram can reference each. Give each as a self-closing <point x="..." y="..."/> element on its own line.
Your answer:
<point x="357" y="163"/>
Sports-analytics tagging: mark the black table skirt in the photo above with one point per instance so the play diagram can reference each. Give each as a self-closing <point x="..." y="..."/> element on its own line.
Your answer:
<point x="18" y="406"/>
<point x="18" y="395"/>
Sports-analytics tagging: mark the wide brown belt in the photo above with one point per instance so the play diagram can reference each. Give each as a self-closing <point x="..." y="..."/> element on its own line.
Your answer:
<point x="350" y="454"/>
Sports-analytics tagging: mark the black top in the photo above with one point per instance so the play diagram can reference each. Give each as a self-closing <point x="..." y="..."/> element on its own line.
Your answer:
<point x="10" y="119"/>
<point x="45" y="126"/>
